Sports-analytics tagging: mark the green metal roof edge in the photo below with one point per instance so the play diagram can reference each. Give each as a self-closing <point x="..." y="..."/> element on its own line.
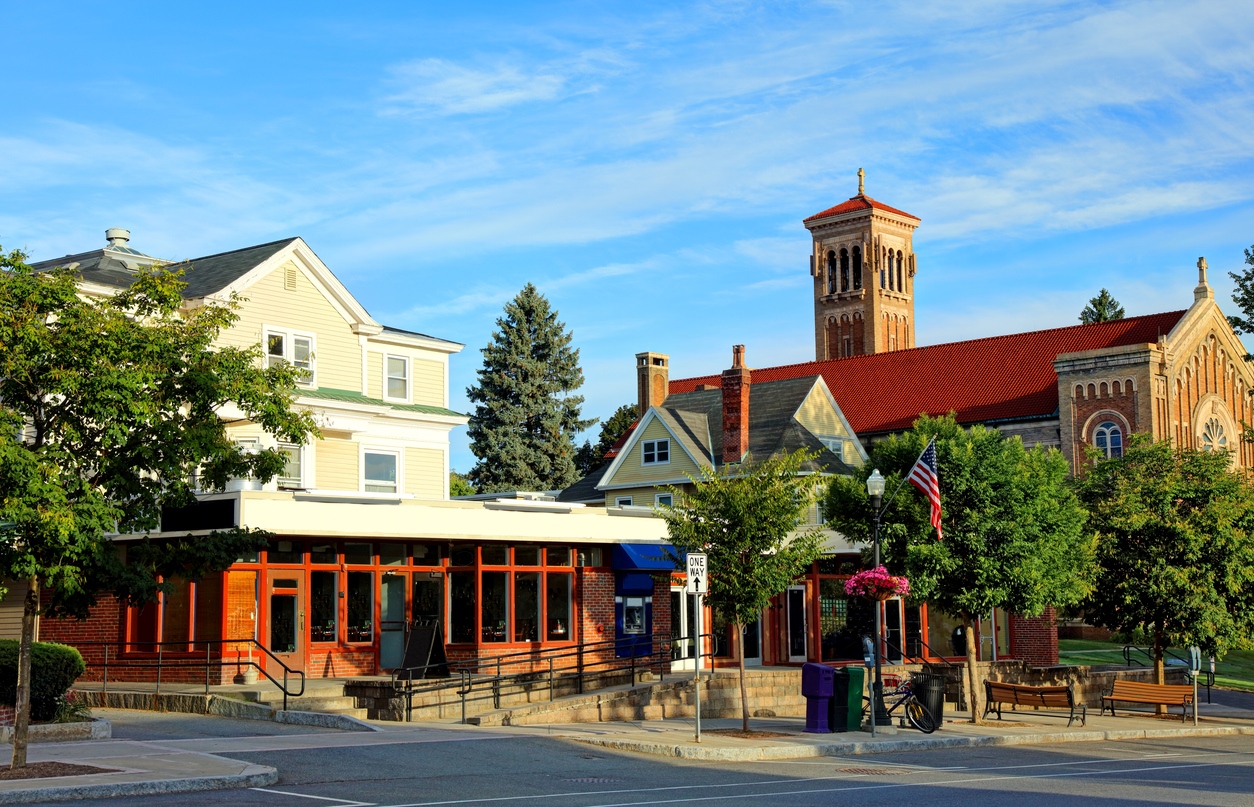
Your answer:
<point x="350" y="396"/>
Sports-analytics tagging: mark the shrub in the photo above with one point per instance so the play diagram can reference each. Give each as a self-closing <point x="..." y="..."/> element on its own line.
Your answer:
<point x="53" y="670"/>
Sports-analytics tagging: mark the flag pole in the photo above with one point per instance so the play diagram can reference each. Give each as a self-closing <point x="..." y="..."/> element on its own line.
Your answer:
<point x="905" y="479"/>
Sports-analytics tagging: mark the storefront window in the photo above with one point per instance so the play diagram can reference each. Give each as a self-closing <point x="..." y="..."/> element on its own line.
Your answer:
<point x="359" y="554"/>
<point x="495" y="555"/>
<point x="945" y="634"/>
<point x="527" y="607"/>
<point x="391" y="554"/>
<point x="461" y="556"/>
<point x="323" y="610"/>
<point x="323" y="553"/>
<point x="842" y="621"/>
<point x="557" y="556"/>
<point x="462" y="607"/>
<point x="361" y="606"/>
<point x="526" y="556"/>
<point x="495" y="608"/>
<point x="557" y="602"/>
<point x="588" y="556"/>
<point x="176" y="616"/>
<point x="287" y="552"/>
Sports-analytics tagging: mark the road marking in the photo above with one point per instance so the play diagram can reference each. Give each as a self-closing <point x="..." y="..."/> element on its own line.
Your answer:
<point x="345" y="802"/>
<point x="852" y="777"/>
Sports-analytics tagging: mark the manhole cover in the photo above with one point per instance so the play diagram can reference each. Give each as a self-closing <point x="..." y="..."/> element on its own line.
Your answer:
<point x="875" y="771"/>
<point x="594" y="780"/>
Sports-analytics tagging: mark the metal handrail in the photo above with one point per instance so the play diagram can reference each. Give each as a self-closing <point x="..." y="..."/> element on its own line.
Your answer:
<point x="1205" y="677"/>
<point x="128" y="659"/>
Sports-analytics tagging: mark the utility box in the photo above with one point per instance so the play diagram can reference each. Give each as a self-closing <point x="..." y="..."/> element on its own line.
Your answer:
<point x="817" y="685"/>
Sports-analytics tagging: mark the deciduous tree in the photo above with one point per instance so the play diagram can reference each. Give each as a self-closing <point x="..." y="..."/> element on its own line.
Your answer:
<point x="1013" y="529"/>
<point x="525" y="420"/>
<point x="109" y="406"/>
<point x="746" y="518"/>
<point x="1175" y="547"/>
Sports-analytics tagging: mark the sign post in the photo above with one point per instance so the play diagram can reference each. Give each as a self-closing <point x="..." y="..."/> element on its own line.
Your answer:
<point x="697" y="584"/>
<point x="1195" y="668"/>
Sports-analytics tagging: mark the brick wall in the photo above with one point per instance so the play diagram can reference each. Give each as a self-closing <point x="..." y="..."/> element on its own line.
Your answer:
<point x="1034" y="640"/>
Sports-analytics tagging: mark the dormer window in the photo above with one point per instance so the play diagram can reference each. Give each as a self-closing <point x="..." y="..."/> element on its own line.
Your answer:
<point x="655" y="452"/>
<point x="291" y="348"/>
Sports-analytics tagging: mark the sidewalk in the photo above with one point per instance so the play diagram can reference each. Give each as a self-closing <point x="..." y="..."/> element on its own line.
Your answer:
<point x="140" y="769"/>
<point x="674" y="738"/>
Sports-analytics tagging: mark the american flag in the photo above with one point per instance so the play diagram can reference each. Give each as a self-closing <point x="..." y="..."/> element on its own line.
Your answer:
<point x="924" y="477"/>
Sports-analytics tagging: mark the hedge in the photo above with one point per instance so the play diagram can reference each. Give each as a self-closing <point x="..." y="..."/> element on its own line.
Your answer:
<point x="53" y="670"/>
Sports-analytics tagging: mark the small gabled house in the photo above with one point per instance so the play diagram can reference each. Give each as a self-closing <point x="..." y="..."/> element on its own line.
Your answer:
<point x="682" y="436"/>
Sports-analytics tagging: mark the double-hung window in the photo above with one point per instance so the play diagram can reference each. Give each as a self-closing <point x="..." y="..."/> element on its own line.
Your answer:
<point x="397" y="380"/>
<point x="286" y="347"/>
<point x="380" y="471"/>
<point x="656" y="452"/>
<point x="291" y="476"/>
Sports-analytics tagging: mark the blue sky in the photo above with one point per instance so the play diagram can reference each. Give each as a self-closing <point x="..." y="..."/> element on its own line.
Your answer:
<point x="647" y="165"/>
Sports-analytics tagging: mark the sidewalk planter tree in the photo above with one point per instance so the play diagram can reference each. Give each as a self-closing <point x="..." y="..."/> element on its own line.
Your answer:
<point x="746" y="518"/>
<point x="1175" y="547"/>
<point x="109" y="407"/>
<point x="1013" y="529"/>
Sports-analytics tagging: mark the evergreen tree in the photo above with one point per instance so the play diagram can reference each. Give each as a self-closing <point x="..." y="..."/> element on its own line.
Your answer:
<point x="1102" y="308"/>
<point x="591" y="456"/>
<point x="525" y="418"/>
<point x="1243" y="296"/>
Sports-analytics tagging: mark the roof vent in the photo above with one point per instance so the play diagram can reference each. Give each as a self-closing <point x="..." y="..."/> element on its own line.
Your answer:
<point x="117" y="236"/>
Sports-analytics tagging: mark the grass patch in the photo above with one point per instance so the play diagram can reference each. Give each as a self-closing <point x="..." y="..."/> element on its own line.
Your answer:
<point x="1235" y="671"/>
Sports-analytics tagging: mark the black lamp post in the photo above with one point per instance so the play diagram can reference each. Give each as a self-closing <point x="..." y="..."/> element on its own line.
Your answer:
<point x="875" y="494"/>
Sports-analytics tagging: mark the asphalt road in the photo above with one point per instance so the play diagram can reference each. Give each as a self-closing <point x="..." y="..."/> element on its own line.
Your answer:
<point x="460" y="768"/>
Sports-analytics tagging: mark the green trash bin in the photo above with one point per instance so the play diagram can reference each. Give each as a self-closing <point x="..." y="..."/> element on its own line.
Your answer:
<point x="846" y="705"/>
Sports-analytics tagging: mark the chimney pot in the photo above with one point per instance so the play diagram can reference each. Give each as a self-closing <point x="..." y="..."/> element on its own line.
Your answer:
<point x="117" y="236"/>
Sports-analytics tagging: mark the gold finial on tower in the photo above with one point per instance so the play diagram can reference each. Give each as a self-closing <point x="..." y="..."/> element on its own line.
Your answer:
<point x="861" y="182"/>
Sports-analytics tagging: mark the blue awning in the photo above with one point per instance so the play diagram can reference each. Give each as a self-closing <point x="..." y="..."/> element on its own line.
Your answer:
<point x="643" y="557"/>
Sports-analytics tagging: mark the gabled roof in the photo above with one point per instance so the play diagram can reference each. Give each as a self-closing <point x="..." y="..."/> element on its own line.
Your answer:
<point x="997" y="378"/>
<point x="585" y="490"/>
<point x="212" y="273"/>
<point x="859" y="202"/>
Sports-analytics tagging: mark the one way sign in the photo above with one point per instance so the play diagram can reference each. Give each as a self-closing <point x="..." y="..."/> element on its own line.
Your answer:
<point x="697" y="571"/>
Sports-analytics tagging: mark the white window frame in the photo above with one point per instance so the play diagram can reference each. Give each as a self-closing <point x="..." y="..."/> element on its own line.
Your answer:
<point x="835" y="445"/>
<point x="622" y="501"/>
<point x="409" y="377"/>
<point x="658" y="497"/>
<point x="655" y="444"/>
<point x="302" y="458"/>
<point x="289" y="338"/>
<point x="400" y="467"/>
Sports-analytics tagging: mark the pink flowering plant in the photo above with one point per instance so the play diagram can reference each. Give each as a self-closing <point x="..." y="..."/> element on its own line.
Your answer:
<point x="877" y="584"/>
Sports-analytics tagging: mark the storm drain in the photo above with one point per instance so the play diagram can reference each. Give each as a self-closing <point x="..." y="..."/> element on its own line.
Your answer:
<point x="594" y="780"/>
<point x="876" y="771"/>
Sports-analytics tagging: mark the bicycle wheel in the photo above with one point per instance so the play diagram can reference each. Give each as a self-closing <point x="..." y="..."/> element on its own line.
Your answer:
<point x="919" y="716"/>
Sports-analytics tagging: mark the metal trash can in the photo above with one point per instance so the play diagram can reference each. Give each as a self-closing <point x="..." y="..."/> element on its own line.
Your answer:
<point x="817" y="685"/>
<point x="846" y="712"/>
<point x="929" y="688"/>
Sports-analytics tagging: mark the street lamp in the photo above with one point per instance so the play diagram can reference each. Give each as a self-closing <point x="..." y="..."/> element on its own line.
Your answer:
<point x="875" y="494"/>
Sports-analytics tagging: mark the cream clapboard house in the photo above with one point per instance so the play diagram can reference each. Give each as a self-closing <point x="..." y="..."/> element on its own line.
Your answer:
<point x="366" y="541"/>
<point x="683" y="436"/>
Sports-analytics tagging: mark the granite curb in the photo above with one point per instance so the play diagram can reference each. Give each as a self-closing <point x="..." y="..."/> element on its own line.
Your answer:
<point x="714" y="753"/>
<point x="220" y="706"/>
<point x="253" y="776"/>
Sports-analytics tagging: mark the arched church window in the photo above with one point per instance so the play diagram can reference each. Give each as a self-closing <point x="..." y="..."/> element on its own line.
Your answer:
<point x="890" y="270"/>
<point x="844" y="270"/>
<point x="1213" y="436"/>
<point x="831" y="272"/>
<point x="901" y="282"/>
<point x="857" y="268"/>
<point x="1109" y="439"/>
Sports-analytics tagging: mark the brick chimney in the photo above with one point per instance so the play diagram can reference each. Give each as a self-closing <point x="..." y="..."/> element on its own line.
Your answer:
<point x="736" y="407"/>
<point x="652" y="380"/>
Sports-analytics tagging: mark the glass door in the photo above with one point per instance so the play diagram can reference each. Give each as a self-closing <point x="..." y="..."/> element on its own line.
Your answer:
<point x="752" y="643"/>
<point x="392" y="621"/>
<point x="428" y="602"/>
<point x="892" y="631"/>
<point x="683" y="629"/>
<point x="285" y="636"/>
<point x="796" y="605"/>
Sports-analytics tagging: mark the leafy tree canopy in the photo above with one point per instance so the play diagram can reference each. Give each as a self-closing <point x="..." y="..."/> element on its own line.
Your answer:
<point x="459" y="485"/>
<point x="525" y="419"/>
<point x="1013" y="529"/>
<point x="1243" y="296"/>
<point x="749" y="520"/>
<point x="109" y="406"/>
<point x="1102" y="308"/>
<point x="1175" y="546"/>
<point x="615" y="426"/>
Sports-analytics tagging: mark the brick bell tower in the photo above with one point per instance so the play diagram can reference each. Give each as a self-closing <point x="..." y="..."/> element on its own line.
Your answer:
<point x="863" y="267"/>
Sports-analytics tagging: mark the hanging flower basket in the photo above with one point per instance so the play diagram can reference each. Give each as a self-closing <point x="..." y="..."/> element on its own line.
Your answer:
<point x="877" y="584"/>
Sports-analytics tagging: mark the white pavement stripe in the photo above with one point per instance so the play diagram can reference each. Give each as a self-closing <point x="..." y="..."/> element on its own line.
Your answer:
<point x="345" y="802"/>
<point x="850" y="777"/>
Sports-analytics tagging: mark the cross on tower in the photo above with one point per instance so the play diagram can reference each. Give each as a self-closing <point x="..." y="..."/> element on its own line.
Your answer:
<point x="861" y="182"/>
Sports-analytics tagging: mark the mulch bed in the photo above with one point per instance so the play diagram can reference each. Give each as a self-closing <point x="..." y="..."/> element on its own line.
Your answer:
<point x="47" y="770"/>
<point x="748" y="735"/>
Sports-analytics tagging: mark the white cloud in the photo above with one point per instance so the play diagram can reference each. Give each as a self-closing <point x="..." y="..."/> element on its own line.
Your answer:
<point x="442" y="86"/>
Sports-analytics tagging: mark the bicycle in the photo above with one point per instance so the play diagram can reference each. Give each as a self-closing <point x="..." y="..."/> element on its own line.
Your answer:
<point x="916" y="713"/>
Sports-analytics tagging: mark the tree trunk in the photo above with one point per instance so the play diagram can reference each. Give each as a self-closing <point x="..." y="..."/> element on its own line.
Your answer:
<point x="1160" y="672"/>
<point x="744" y="701"/>
<point x="21" y="722"/>
<point x="973" y="673"/>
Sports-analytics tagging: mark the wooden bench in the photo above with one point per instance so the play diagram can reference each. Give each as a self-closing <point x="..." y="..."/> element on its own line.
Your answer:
<point x="1155" y="694"/>
<point x="997" y="693"/>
